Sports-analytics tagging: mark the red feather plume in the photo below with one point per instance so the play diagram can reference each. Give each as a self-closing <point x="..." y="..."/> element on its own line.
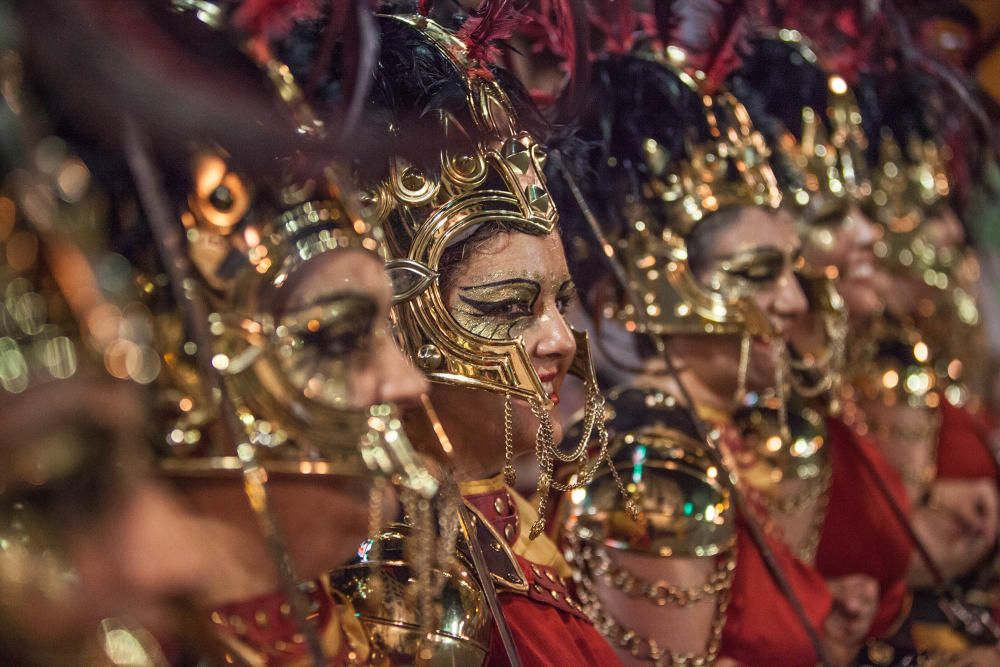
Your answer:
<point x="272" y="19"/>
<point x="560" y="28"/>
<point x="712" y="32"/>
<point x="492" y="21"/>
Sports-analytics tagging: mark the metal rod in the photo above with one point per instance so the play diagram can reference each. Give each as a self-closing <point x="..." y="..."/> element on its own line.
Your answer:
<point x="478" y="558"/>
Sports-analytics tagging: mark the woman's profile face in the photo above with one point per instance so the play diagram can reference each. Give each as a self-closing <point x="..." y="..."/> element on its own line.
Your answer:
<point x="348" y="358"/>
<point x="754" y="256"/>
<point x="847" y="246"/>
<point x="516" y="286"/>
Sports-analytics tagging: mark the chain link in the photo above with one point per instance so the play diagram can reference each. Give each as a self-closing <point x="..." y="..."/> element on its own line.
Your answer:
<point x="509" y="474"/>
<point x="594" y="559"/>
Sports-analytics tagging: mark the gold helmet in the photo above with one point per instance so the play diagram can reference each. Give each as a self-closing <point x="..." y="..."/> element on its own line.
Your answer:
<point x="664" y="168"/>
<point x="496" y="176"/>
<point x="812" y="119"/>
<point x="285" y="366"/>
<point x="500" y="178"/>
<point x="907" y="185"/>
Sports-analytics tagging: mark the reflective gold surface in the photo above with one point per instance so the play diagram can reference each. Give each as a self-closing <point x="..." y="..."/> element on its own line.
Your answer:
<point x="502" y="180"/>
<point x="380" y="591"/>
<point x="684" y="508"/>
<point x="729" y="171"/>
<point x="770" y="457"/>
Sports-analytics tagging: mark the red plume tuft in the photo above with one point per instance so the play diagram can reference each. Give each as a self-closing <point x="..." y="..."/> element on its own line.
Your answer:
<point x="712" y="32"/>
<point x="272" y="19"/>
<point x="561" y="28"/>
<point x="616" y="22"/>
<point x="492" y="21"/>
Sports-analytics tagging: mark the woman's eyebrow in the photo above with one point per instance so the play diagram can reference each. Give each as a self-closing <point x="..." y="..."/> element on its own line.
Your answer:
<point x="753" y="252"/>
<point x="501" y="283"/>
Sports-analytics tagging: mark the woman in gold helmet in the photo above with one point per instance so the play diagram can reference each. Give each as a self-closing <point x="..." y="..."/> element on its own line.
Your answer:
<point x="812" y="120"/>
<point x="482" y="282"/>
<point x="281" y="379"/>
<point x="681" y="197"/>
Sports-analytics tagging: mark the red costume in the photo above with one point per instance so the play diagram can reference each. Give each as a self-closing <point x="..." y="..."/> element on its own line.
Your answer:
<point x="963" y="445"/>
<point x="261" y="631"/>
<point x="761" y="628"/>
<point x="861" y="534"/>
<point x="547" y="625"/>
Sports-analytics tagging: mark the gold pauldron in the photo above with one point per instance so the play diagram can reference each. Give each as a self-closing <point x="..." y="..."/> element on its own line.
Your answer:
<point x="891" y="380"/>
<point x="772" y="457"/>
<point x="684" y="508"/>
<point x="452" y="627"/>
<point x="684" y="512"/>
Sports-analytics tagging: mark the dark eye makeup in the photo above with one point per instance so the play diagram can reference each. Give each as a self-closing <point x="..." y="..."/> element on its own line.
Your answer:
<point x="337" y="327"/>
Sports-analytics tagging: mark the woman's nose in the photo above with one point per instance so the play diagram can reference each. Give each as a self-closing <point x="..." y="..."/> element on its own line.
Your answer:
<point x="555" y="338"/>
<point x="399" y="382"/>
<point x="790" y="302"/>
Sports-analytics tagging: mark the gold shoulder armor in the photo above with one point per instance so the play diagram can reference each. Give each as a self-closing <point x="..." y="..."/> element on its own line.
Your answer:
<point x="447" y="625"/>
<point x="684" y="504"/>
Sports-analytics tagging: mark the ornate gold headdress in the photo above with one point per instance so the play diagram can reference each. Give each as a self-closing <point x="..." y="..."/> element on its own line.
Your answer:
<point x="908" y="185"/>
<point x="500" y="178"/>
<point x="677" y="194"/>
<point x="911" y="191"/>
<point x="828" y="159"/>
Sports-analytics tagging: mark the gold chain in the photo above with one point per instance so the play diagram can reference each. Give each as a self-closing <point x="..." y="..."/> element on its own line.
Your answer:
<point x="828" y="366"/>
<point x="376" y="502"/>
<point x="546" y="453"/>
<point x="795" y="504"/>
<point x="778" y="351"/>
<point x="817" y="495"/>
<point x="744" y="368"/>
<point x="509" y="474"/>
<point x="601" y="566"/>
<point x="642" y="648"/>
